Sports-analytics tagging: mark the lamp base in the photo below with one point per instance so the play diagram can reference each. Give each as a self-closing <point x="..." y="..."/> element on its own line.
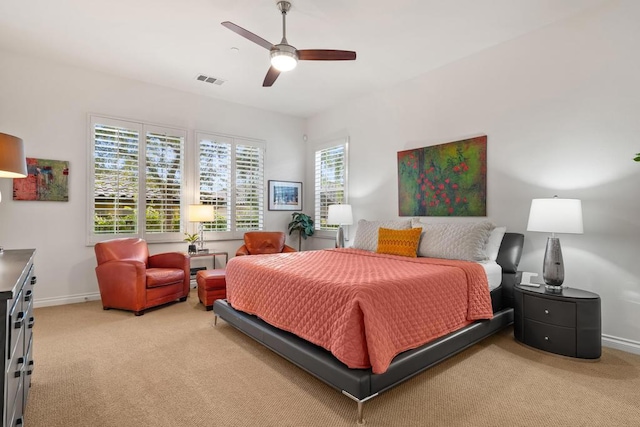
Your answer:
<point x="340" y="237"/>
<point x="553" y="289"/>
<point x="553" y="268"/>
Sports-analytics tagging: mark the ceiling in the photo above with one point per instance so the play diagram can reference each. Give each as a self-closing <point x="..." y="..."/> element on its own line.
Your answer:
<point x="171" y="42"/>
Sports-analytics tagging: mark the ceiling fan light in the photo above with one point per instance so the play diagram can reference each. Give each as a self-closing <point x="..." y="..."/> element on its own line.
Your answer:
<point x="283" y="60"/>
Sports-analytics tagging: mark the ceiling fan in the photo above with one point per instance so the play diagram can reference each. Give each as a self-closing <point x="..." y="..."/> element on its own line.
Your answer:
<point x="285" y="57"/>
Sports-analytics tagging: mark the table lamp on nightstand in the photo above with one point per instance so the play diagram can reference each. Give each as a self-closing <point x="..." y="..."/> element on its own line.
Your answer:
<point x="200" y="214"/>
<point x="340" y="215"/>
<point x="555" y="216"/>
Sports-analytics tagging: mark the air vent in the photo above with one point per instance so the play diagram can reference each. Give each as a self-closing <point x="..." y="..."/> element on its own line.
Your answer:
<point x="208" y="79"/>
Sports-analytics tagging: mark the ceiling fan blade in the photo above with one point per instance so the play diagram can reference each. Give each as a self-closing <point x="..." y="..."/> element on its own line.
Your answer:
<point x="248" y="35"/>
<point x="326" y="55"/>
<point x="271" y="77"/>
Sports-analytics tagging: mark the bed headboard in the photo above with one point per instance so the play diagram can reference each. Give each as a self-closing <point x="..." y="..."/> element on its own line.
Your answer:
<point x="509" y="258"/>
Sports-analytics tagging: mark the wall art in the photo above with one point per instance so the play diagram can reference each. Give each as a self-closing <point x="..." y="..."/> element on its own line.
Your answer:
<point x="47" y="180"/>
<point x="444" y="180"/>
<point x="285" y="196"/>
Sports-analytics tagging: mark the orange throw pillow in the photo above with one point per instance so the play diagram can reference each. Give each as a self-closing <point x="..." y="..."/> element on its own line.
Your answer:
<point x="399" y="242"/>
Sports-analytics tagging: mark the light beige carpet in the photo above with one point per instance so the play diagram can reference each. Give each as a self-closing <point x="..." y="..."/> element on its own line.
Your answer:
<point x="171" y="367"/>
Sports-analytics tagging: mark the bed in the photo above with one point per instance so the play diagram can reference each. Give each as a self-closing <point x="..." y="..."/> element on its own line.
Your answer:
<point x="363" y="383"/>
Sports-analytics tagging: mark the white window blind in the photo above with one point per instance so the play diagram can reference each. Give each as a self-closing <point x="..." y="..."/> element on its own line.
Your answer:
<point x="115" y="179"/>
<point x="163" y="181"/>
<point x="249" y="187"/>
<point x="137" y="180"/>
<point x="330" y="181"/>
<point x="215" y="180"/>
<point x="231" y="178"/>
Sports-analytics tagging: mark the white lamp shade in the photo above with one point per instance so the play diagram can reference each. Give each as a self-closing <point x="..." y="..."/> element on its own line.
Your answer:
<point x="201" y="213"/>
<point x="556" y="216"/>
<point x="340" y="215"/>
<point x="13" y="163"/>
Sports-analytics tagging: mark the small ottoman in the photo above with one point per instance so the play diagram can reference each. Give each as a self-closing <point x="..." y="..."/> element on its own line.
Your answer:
<point x="211" y="286"/>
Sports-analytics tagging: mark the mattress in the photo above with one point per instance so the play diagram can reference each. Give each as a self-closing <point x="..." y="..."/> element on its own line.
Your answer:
<point x="494" y="273"/>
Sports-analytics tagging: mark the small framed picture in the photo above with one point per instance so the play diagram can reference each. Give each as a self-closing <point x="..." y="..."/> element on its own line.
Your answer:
<point x="285" y="196"/>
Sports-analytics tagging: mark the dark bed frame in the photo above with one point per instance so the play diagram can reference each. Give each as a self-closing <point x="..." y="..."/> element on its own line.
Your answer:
<point x="361" y="384"/>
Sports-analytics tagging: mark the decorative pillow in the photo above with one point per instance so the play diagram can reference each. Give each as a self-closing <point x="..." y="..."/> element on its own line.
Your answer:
<point x="494" y="242"/>
<point x="399" y="242"/>
<point x="454" y="240"/>
<point x="367" y="233"/>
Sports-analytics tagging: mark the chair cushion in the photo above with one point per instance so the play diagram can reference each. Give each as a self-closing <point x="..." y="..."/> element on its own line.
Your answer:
<point x="264" y="242"/>
<point x="163" y="276"/>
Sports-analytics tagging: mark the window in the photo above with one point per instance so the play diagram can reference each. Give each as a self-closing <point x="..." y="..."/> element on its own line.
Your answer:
<point x="231" y="178"/>
<point x="137" y="180"/>
<point x="330" y="180"/>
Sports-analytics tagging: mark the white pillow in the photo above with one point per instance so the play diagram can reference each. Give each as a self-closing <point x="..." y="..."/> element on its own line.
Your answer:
<point x="454" y="240"/>
<point x="367" y="233"/>
<point x="494" y="242"/>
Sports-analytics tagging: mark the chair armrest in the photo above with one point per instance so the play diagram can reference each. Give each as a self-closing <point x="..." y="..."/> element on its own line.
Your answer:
<point x="242" y="251"/>
<point x="116" y="273"/>
<point x="170" y="260"/>
<point x="288" y="248"/>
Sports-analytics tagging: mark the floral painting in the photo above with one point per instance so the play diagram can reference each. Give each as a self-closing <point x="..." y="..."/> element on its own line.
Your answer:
<point x="47" y="180"/>
<point x="444" y="180"/>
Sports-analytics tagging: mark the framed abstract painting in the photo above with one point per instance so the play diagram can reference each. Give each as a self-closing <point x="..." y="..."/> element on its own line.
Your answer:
<point x="47" y="180"/>
<point x="444" y="180"/>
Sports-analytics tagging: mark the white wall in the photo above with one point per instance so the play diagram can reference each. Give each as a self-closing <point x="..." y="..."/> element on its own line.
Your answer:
<point x="47" y="104"/>
<point x="561" y="108"/>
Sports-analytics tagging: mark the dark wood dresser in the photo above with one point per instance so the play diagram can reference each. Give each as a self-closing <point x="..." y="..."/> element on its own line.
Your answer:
<point x="566" y="323"/>
<point x="16" y="303"/>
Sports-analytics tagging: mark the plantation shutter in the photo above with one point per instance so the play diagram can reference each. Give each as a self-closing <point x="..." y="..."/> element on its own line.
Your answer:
<point x="249" y="187"/>
<point x="231" y="178"/>
<point x="115" y="178"/>
<point x="215" y="180"/>
<point x="330" y="181"/>
<point x="164" y="171"/>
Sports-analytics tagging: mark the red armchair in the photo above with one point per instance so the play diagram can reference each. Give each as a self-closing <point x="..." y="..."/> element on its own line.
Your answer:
<point x="130" y="279"/>
<point x="264" y="242"/>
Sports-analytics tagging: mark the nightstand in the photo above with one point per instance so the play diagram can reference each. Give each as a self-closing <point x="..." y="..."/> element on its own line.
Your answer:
<point x="566" y="323"/>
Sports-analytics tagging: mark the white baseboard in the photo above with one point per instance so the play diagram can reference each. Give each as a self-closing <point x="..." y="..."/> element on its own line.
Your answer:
<point x="69" y="299"/>
<point x="621" y="344"/>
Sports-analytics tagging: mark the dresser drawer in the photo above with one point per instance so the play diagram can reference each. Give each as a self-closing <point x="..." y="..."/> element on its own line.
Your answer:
<point x="14" y="376"/>
<point x="16" y="327"/>
<point x="29" y="320"/>
<point x="552" y="338"/>
<point x="554" y="312"/>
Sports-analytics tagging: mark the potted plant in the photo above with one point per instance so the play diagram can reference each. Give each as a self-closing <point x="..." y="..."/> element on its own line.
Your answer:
<point x="192" y="239"/>
<point x="303" y="224"/>
<point x="637" y="158"/>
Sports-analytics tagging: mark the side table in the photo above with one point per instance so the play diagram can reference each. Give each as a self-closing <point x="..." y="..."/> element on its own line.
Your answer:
<point x="566" y="323"/>
<point x="212" y="254"/>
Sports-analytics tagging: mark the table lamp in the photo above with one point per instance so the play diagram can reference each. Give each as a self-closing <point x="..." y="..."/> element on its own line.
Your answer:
<point x="200" y="214"/>
<point x="555" y="216"/>
<point x="340" y="215"/>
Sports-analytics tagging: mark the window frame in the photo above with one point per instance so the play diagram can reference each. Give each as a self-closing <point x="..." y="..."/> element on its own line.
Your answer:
<point x="330" y="231"/>
<point x="233" y="233"/>
<point x="141" y="204"/>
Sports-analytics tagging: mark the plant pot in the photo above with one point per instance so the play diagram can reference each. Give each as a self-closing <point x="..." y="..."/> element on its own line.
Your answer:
<point x="192" y="249"/>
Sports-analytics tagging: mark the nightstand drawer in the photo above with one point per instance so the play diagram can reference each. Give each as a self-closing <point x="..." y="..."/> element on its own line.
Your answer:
<point x="550" y="311"/>
<point x="556" y="339"/>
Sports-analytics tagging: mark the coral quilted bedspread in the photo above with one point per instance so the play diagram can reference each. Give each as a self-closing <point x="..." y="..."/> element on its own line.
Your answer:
<point x="363" y="307"/>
